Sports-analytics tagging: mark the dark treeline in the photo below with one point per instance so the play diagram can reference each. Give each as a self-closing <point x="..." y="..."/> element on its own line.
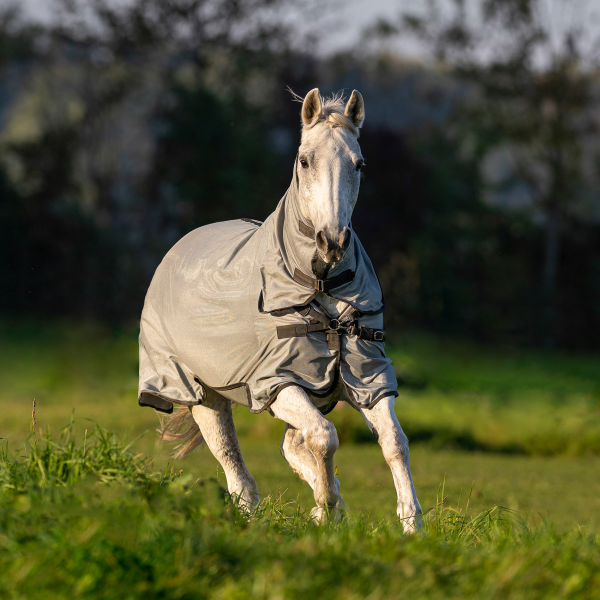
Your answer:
<point x="122" y="131"/>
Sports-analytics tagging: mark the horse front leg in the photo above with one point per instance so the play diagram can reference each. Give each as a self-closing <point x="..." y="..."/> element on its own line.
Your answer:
<point x="383" y="422"/>
<point x="319" y="438"/>
<point x="301" y="459"/>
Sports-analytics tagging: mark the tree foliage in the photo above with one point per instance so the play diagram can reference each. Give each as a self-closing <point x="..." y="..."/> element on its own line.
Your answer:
<point x="534" y="86"/>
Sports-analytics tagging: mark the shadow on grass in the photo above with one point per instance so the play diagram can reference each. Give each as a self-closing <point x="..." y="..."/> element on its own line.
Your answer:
<point x="436" y="438"/>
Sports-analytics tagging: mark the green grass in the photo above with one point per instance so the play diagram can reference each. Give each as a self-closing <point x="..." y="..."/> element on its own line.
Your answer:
<point x="68" y="530"/>
<point x="532" y="418"/>
<point x="500" y="400"/>
<point x="88" y="516"/>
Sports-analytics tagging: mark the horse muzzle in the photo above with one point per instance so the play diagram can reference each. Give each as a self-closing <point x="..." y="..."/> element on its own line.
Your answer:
<point x="333" y="247"/>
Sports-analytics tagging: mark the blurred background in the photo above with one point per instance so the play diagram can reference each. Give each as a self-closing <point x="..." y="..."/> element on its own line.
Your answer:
<point x="124" y="124"/>
<point x="127" y="123"/>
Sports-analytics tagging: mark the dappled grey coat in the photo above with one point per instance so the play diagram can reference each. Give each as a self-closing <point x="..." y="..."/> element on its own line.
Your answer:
<point x="211" y="314"/>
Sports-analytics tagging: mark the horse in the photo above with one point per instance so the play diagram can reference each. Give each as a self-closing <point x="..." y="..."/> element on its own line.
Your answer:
<point x="283" y="316"/>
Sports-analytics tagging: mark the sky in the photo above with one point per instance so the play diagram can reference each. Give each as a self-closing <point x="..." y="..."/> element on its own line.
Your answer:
<point x="346" y="19"/>
<point x="351" y="16"/>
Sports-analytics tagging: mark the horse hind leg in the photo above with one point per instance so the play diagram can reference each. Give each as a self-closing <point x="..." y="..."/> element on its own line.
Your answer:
<point x="212" y="423"/>
<point x="215" y="421"/>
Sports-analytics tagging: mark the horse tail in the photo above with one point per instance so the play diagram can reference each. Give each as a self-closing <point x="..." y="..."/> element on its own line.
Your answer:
<point x="181" y="427"/>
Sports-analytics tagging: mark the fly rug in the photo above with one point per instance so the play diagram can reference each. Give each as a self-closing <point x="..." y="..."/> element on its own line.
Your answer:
<point x="284" y="316"/>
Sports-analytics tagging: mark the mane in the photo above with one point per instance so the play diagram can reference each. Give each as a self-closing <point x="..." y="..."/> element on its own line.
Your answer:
<point x="332" y="112"/>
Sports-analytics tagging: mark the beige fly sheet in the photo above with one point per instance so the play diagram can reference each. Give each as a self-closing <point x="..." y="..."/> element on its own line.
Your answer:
<point x="233" y="307"/>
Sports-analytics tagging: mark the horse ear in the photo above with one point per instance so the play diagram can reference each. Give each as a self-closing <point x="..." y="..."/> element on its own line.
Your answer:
<point x="355" y="109"/>
<point x="311" y="107"/>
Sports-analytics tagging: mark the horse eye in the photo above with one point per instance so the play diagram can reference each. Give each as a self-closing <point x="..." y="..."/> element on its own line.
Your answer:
<point x="304" y="164"/>
<point x="360" y="165"/>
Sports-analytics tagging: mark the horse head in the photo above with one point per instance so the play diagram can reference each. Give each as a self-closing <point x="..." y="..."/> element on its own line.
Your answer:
<point x="328" y="169"/>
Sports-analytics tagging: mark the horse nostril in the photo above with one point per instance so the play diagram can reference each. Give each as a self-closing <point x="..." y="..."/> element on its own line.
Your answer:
<point x="322" y="243"/>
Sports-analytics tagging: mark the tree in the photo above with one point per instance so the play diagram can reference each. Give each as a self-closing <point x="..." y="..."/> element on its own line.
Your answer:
<point x="106" y="93"/>
<point x="534" y="74"/>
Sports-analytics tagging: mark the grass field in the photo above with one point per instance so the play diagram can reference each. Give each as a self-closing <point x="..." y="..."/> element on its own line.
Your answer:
<point x="90" y="519"/>
<point x="521" y="428"/>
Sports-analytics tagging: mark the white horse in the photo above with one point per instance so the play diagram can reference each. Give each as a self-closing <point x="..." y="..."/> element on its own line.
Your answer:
<point x="328" y="179"/>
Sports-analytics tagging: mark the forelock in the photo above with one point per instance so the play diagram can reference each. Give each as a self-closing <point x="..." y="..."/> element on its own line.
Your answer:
<point x="332" y="114"/>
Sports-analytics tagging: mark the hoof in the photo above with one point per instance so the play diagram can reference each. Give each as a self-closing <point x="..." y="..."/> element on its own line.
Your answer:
<point x="413" y="526"/>
<point x="411" y="519"/>
<point x="246" y="501"/>
<point x="322" y="515"/>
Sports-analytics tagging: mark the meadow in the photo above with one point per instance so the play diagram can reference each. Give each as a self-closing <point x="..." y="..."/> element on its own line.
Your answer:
<point x="505" y="448"/>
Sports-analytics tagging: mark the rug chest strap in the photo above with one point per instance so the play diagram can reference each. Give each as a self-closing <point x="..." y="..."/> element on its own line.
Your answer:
<point x="334" y="330"/>
<point x="324" y="285"/>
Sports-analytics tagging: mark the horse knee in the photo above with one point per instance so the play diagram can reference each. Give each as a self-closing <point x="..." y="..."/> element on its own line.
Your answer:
<point x="322" y="440"/>
<point x="291" y="439"/>
<point x="394" y="444"/>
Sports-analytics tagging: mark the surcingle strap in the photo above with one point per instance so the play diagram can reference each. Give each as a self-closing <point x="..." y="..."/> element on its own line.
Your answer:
<point x="300" y="330"/>
<point x="324" y="285"/>
<point x="334" y="328"/>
